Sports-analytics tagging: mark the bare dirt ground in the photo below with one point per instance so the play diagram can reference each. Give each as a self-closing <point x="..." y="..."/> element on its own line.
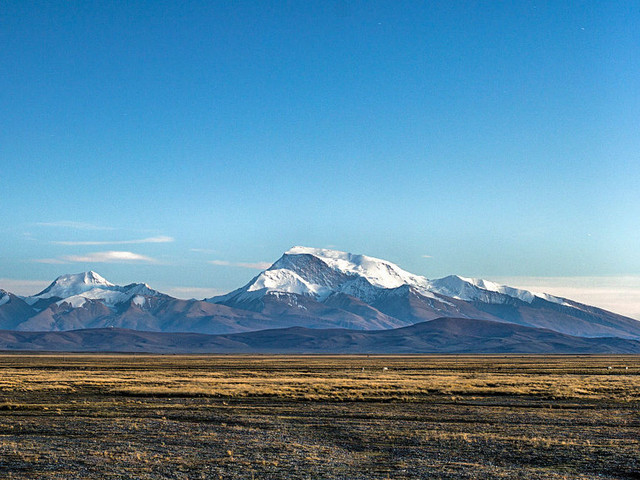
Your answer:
<point x="319" y="417"/>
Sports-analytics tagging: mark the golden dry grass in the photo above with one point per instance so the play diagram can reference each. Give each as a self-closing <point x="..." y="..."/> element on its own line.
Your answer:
<point x="349" y="378"/>
<point x="332" y="417"/>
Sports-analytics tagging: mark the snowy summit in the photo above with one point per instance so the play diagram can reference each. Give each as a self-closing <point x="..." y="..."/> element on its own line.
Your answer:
<point x="318" y="273"/>
<point x="76" y="289"/>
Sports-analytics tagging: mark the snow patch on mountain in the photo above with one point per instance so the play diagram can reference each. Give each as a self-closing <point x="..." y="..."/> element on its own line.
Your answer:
<point x="139" y="300"/>
<point x="283" y="281"/>
<point x="289" y="299"/>
<point x="75" y="301"/>
<point x="110" y="297"/>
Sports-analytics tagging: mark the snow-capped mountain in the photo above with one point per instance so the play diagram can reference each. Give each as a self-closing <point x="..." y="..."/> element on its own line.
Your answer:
<point x="319" y="273"/>
<point x="306" y="287"/>
<point x="306" y="276"/>
<point x="69" y="285"/>
<point x="87" y="300"/>
<point x="77" y="289"/>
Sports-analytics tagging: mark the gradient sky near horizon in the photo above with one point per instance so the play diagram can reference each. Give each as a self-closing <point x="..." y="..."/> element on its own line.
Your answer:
<point x="188" y="144"/>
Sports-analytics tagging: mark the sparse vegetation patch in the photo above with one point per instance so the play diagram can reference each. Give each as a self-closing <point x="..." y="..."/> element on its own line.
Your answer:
<point x="401" y="417"/>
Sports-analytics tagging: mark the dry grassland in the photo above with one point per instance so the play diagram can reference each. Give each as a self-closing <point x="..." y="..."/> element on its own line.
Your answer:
<point x="152" y="417"/>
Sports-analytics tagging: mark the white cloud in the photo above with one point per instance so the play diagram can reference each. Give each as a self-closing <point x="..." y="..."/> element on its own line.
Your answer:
<point x="73" y="225"/>
<point x="23" y="287"/>
<point x="619" y="294"/>
<point x="159" y="239"/>
<point x="100" y="257"/>
<point x="427" y="256"/>
<point x="109" y="257"/>
<point x="254" y="266"/>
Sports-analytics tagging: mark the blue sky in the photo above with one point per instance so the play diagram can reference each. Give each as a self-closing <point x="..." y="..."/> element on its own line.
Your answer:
<point x="488" y="139"/>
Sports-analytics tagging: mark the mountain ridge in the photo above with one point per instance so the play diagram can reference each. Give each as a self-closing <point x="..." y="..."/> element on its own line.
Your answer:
<point x="443" y="335"/>
<point x="308" y="287"/>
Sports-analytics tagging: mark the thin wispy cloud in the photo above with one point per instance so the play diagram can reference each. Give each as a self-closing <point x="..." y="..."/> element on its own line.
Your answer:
<point x="73" y="225"/>
<point x="100" y="257"/>
<point x="619" y="294"/>
<point x="193" y="292"/>
<point x="110" y="257"/>
<point x="426" y="256"/>
<point x="254" y="266"/>
<point x="23" y="287"/>
<point x="158" y="239"/>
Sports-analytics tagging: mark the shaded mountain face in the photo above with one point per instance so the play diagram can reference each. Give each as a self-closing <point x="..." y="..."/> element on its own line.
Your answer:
<point x="307" y="287"/>
<point x="443" y="335"/>
<point x="13" y="310"/>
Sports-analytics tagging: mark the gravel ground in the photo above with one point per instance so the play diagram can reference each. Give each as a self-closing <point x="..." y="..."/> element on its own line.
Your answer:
<point x="90" y="433"/>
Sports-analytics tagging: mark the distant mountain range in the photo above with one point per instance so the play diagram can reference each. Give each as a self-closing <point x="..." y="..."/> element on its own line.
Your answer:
<point x="443" y="335"/>
<point x="316" y="289"/>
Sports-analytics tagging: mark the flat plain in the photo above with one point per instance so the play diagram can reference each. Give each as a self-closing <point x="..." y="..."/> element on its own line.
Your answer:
<point x="73" y="416"/>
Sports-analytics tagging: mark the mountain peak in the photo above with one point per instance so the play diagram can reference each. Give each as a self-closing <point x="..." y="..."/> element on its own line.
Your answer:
<point x="77" y="288"/>
<point x="318" y="272"/>
<point x="380" y="273"/>
<point x="85" y="278"/>
<point x="74" y="284"/>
